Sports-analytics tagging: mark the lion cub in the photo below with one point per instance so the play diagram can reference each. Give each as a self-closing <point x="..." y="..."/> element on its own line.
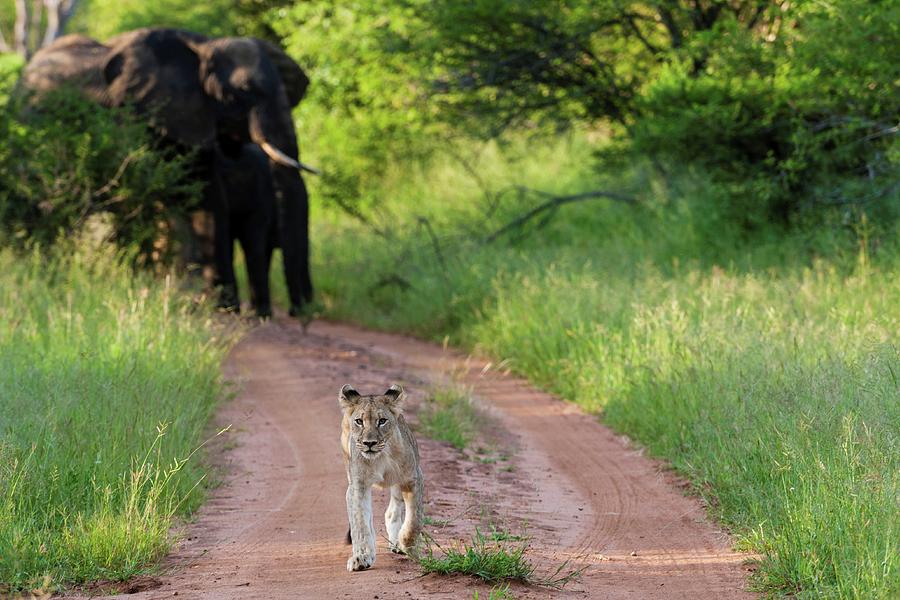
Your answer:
<point x="379" y="449"/>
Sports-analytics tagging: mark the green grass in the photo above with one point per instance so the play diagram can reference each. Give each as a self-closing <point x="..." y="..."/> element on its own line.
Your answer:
<point x="493" y="561"/>
<point x="107" y="383"/>
<point x="498" y="592"/>
<point x="502" y="535"/>
<point x="448" y="415"/>
<point x="481" y="558"/>
<point x="764" y="368"/>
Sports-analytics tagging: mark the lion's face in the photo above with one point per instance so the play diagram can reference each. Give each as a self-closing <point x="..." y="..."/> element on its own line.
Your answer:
<point x="372" y="420"/>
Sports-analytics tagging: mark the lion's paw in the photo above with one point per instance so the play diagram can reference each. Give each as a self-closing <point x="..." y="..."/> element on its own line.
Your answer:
<point x="361" y="561"/>
<point x="397" y="548"/>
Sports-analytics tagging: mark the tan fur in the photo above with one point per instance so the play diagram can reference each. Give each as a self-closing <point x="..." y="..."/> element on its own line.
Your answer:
<point x="379" y="449"/>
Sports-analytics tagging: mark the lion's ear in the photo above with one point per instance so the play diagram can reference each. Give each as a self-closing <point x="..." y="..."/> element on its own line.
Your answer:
<point x="348" y="396"/>
<point x="395" y="396"/>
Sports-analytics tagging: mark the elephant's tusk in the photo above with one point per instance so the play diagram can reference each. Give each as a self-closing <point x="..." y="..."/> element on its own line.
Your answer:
<point x="308" y="169"/>
<point x="283" y="159"/>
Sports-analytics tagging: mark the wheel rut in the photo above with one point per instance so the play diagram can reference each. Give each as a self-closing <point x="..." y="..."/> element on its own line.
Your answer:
<point x="275" y="526"/>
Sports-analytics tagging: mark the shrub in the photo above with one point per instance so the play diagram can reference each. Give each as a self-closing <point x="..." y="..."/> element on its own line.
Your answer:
<point x="66" y="159"/>
<point x="790" y="125"/>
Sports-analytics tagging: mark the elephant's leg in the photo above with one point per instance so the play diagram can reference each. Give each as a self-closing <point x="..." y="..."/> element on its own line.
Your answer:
<point x="224" y="247"/>
<point x="253" y="236"/>
<point x="293" y="233"/>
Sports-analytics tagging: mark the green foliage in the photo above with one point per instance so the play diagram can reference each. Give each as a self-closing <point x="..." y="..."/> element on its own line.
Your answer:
<point x="767" y="377"/>
<point x="102" y="19"/>
<point x="107" y="384"/>
<point x="791" y="124"/>
<point x="789" y="108"/>
<point x="10" y="66"/>
<point x="365" y="112"/>
<point x="506" y="63"/>
<point x="66" y="160"/>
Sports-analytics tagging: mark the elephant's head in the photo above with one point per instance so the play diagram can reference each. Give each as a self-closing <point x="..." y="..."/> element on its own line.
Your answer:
<point x="191" y="85"/>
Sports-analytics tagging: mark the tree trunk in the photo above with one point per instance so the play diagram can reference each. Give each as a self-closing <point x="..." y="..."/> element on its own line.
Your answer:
<point x="58" y="14"/>
<point x="53" y="22"/>
<point x="23" y="20"/>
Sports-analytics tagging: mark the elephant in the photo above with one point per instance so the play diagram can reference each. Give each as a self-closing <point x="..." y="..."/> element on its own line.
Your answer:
<point x="197" y="92"/>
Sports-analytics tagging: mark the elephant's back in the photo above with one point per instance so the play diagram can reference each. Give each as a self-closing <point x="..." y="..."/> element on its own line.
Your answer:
<point x="72" y="60"/>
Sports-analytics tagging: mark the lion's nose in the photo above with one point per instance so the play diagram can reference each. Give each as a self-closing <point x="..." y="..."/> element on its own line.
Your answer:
<point x="370" y="444"/>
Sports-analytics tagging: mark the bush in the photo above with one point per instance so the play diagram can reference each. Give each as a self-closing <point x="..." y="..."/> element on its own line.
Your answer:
<point x="67" y="159"/>
<point x="791" y="125"/>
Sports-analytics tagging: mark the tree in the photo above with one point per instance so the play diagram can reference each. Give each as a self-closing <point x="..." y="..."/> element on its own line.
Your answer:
<point x="513" y="61"/>
<point x="36" y="23"/>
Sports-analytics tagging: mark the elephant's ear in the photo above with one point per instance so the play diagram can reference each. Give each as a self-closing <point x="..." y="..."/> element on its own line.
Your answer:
<point x="292" y="76"/>
<point x="158" y="72"/>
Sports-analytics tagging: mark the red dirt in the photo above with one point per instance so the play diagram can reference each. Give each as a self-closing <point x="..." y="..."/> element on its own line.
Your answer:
<point x="275" y="528"/>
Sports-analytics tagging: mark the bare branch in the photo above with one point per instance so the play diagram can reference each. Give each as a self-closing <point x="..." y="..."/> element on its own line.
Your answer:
<point x="630" y="19"/>
<point x="671" y="26"/>
<point x="553" y="203"/>
<point x="435" y="243"/>
<point x="120" y="171"/>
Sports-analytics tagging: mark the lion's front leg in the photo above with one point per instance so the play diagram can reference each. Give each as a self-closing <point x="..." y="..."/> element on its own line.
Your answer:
<point x="413" y="498"/>
<point x="362" y="530"/>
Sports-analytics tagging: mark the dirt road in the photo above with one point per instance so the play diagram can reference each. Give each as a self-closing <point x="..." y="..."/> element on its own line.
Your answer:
<point x="275" y="528"/>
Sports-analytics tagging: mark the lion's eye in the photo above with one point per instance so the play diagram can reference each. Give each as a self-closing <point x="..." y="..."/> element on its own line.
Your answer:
<point x="359" y="421"/>
<point x="381" y="422"/>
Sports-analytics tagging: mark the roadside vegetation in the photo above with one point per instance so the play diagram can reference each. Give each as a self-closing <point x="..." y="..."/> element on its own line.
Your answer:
<point x="108" y="381"/>
<point x="765" y="373"/>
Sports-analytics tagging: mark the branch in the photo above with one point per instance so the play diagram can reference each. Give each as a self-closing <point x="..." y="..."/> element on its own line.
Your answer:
<point x="435" y="243"/>
<point x="671" y="26"/>
<point x="117" y="177"/>
<point x="630" y="19"/>
<point x="553" y="203"/>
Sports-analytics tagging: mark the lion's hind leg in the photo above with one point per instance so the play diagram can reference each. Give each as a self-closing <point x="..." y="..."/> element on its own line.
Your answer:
<point x="393" y="518"/>
<point x="413" y="498"/>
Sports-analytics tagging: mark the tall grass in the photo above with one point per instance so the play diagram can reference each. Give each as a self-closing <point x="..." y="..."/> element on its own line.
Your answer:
<point x="107" y="381"/>
<point x="764" y="368"/>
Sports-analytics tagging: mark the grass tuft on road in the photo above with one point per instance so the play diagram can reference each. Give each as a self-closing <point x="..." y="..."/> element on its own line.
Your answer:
<point x="493" y="561"/>
<point x="107" y="384"/>
<point x="480" y="558"/>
